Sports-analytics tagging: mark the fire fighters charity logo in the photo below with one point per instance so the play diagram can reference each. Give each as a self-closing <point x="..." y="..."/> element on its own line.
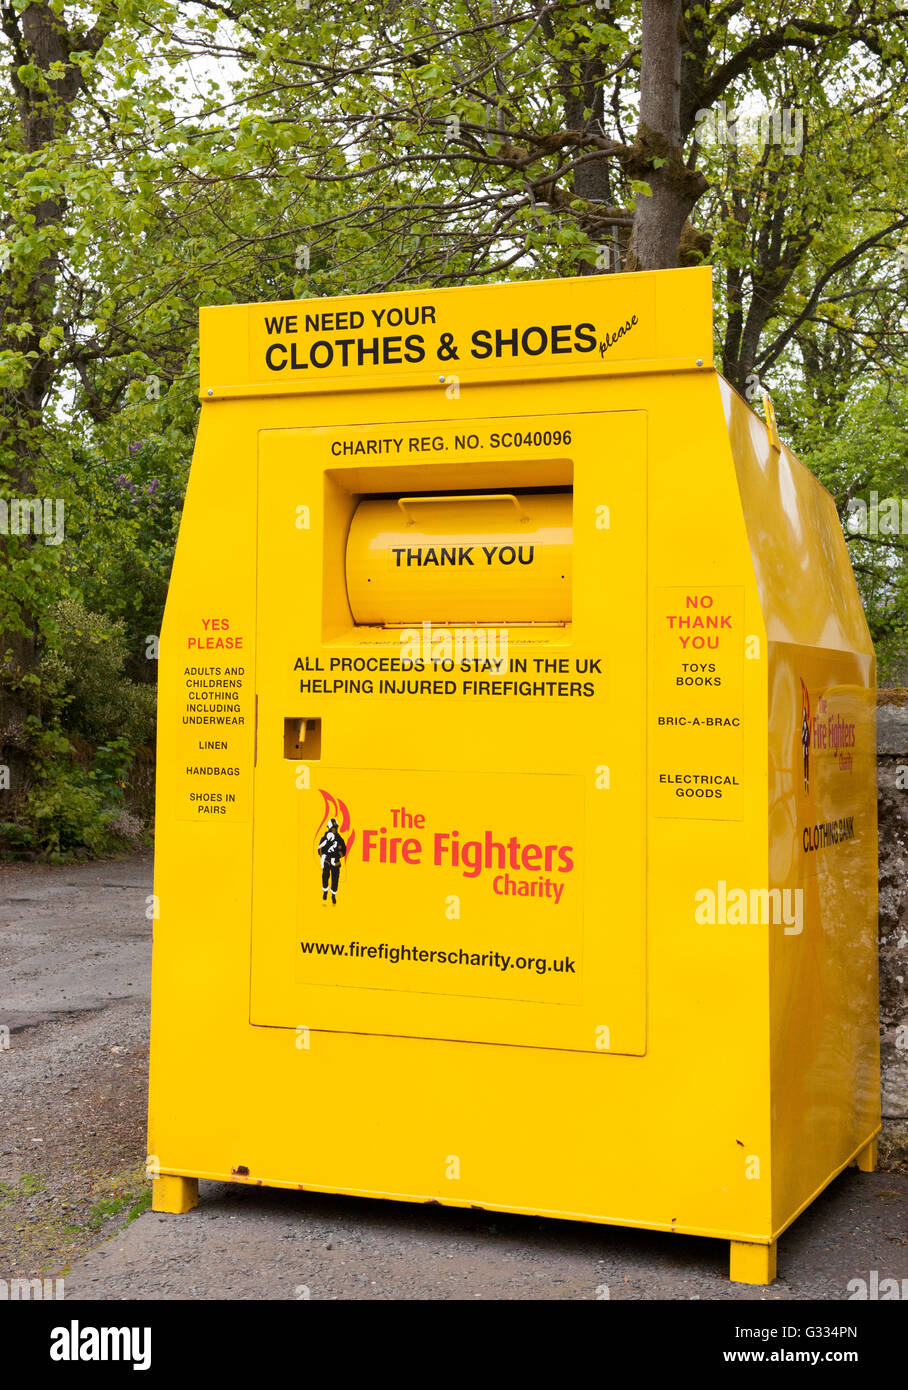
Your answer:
<point x="334" y="841"/>
<point x="805" y="733"/>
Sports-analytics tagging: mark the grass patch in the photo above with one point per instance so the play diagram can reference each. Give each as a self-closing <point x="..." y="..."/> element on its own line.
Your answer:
<point x="27" y="1185"/>
<point x="107" y="1207"/>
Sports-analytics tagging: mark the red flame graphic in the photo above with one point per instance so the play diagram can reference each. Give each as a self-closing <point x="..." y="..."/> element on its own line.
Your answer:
<point x="805" y="700"/>
<point x="335" y="809"/>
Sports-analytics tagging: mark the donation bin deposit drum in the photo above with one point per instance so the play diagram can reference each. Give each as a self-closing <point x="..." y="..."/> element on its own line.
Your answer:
<point x="516" y="829"/>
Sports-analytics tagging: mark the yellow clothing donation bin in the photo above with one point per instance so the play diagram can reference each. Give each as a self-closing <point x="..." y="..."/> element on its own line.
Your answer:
<point x="516" y="828"/>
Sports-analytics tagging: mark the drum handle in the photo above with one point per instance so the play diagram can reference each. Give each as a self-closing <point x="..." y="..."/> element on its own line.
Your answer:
<point x="404" y="502"/>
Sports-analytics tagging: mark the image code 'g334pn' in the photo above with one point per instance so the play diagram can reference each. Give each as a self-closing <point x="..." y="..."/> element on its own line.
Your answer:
<point x="516" y="828"/>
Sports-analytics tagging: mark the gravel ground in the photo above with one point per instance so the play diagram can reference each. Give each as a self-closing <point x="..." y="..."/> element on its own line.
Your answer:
<point x="75" y="961"/>
<point x="245" y="1243"/>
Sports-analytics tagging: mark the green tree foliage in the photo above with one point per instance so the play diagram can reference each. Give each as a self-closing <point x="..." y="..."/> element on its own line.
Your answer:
<point x="156" y="155"/>
<point x="859" y="451"/>
<point x="82" y="671"/>
<point x="73" y="797"/>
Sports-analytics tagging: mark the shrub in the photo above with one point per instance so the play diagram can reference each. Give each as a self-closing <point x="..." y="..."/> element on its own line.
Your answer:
<point x="82" y="678"/>
<point x="72" y="809"/>
<point x="81" y="745"/>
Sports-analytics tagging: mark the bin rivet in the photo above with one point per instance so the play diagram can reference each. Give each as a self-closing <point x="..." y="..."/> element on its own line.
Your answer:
<point x="210" y="392"/>
<point x="699" y="361"/>
<point x="441" y="379"/>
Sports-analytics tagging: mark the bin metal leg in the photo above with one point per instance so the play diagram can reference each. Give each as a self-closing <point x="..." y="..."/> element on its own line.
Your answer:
<point x="866" y="1159"/>
<point x="175" y="1195"/>
<point x="752" y="1263"/>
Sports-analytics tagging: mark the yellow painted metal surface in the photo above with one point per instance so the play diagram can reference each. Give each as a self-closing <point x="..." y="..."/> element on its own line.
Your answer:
<point x="174" y="1195"/>
<point x="751" y="1263"/>
<point x="495" y="888"/>
<point x="488" y="558"/>
<point x="822" y="815"/>
<point x="475" y="821"/>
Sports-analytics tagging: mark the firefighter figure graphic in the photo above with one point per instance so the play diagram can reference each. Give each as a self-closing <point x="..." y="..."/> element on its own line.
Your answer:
<point x="335" y="841"/>
<point x="332" y="849"/>
<point x="805" y="733"/>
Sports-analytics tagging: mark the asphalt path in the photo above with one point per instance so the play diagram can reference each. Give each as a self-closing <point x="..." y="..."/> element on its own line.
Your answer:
<point x="75" y="954"/>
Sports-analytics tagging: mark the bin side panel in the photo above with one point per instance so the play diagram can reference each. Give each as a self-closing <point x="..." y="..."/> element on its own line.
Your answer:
<point x="822" y="819"/>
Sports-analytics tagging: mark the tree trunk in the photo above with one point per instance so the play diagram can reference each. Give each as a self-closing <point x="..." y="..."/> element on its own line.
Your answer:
<point x="659" y="219"/>
<point x="37" y="36"/>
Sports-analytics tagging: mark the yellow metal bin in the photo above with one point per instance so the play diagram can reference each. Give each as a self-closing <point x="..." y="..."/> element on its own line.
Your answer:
<point x="516" y="831"/>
